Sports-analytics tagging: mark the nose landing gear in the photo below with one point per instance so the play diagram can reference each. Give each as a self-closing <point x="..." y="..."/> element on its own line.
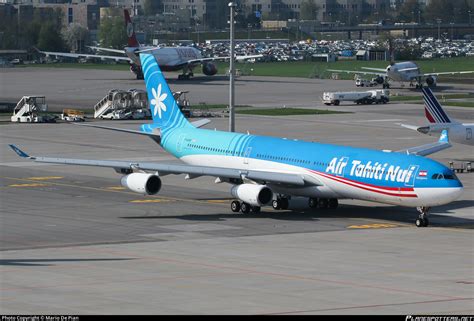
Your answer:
<point x="422" y="220"/>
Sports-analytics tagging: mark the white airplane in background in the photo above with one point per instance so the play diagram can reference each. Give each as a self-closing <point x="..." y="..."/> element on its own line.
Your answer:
<point x="169" y="58"/>
<point x="403" y="72"/>
<point x="458" y="132"/>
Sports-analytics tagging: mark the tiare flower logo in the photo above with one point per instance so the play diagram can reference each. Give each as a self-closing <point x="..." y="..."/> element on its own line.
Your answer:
<point x="158" y="100"/>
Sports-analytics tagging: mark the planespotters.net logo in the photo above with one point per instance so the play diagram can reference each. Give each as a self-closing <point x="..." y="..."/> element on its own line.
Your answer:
<point x="439" y="318"/>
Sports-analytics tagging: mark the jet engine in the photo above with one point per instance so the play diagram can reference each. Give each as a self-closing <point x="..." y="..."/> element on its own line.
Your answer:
<point x="431" y="80"/>
<point x="142" y="183"/>
<point x="379" y="80"/>
<point x="209" y="69"/>
<point x="255" y="195"/>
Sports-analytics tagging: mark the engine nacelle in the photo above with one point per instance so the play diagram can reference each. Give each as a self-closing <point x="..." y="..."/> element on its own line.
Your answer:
<point x="209" y="69"/>
<point x="255" y="195"/>
<point x="142" y="183"/>
<point x="431" y="80"/>
<point x="379" y="80"/>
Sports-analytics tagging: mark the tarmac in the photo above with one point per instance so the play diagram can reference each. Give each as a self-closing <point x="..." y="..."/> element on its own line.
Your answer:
<point x="73" y="241"/>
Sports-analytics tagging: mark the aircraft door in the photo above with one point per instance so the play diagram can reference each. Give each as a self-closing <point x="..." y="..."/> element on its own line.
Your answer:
<point x="468" y="133"/>
<point x="247" y="155"/>
<point x="412" y="172"/>
<point x="180" y="143"/>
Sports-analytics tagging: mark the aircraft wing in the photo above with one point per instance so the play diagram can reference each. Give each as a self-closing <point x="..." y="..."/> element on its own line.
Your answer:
<point x="238" y="58"/>
<point x="381" y="73"/>
<point x="106" y="49"/>
<point x="374" y="69"/>
<point x="447" y="73"/>
<point x="430" y="148"/>
<point x="192" y="171"/>
<point x="73" y="55"/>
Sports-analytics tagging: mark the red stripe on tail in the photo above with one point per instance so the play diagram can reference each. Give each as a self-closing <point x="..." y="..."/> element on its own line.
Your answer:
<point x="132" y="39"/>
<point x="428" y="115"/>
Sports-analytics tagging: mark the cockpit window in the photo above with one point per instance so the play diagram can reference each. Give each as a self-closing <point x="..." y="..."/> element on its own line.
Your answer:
<point x="444" y="176"/>
<point x="450" y="176"/>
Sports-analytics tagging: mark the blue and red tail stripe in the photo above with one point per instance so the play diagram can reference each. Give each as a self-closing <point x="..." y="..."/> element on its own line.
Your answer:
<point x="433" y="110"/>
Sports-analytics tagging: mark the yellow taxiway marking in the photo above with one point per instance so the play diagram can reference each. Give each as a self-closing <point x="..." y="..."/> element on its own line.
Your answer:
<point x="44" y="178"/>
<point x="373" y="226"/>
<point x="28" y="185"/>
<point x="218" y="201"/>
<point x="106" y="190"/>
<point x="149" y="201"/>
<point x="116" y="188"/>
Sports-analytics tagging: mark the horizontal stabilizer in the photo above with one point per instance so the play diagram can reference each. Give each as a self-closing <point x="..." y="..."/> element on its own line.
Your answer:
<point x="423" y="150"/>
<point x="155" y="133"/>
<point x="201" y="122"/>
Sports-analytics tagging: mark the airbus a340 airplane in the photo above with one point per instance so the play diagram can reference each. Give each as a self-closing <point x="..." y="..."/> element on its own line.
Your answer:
<point x="439" y="119"/>
<point x="169" y="58"/>
<point x="402" y="72"/>
<point x="268" y="170"/>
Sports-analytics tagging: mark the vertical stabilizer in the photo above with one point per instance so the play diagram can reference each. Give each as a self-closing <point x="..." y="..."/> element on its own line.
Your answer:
<point x="132" y="39"/>
<point x="164" y="109"/>
<point x="433" y="110"/>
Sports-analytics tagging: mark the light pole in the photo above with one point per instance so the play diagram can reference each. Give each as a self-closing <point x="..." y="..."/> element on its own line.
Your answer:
<point x="232" y="6"/>
<point x="439" y="23"/>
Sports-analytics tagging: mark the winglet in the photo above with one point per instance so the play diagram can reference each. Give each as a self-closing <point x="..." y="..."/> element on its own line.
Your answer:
<point x="19" y="151"/>
<point x="443" y="138"/>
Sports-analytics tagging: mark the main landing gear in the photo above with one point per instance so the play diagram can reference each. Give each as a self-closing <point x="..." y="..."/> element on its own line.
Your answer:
<point x="422" y="220"/>
<point x="185" y="75"/>
<point x="331" y="203"/>
<point x="243" y="207"/>
<point x="281" y="203"/>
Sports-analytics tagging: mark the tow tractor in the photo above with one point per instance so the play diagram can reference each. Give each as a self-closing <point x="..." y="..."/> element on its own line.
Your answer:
<point x="72" y="115"/>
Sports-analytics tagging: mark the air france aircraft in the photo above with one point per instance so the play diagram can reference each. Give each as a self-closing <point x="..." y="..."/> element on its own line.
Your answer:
<point x="169" y="58"/>
<point x="402" y="72"/>
<point x="268" y="170"/>
<point x="439" y="119"/>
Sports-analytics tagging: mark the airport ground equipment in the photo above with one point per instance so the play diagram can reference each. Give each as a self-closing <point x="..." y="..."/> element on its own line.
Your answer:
<point x="183" y="102"/>
<point x="365" y="83"/>
<point x="28" y="109"/>
<point x="72" y="115"/>
<point x="461" y="167"/>
<point x="122" y="104"/>
<point x="359" y="97"/>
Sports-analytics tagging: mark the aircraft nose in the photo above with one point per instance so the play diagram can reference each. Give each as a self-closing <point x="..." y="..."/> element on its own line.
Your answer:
<point x="454" y="193"/>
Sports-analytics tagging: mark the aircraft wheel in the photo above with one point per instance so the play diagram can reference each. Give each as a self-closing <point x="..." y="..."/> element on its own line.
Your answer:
<point x="256" y="209"/>
<point x="323" y="203"/>
<point x="333" y="203"/>
<point x="245" y="208"/>
<point x="422" y="222"/>
<point x="235" y="206"/>
<point x="419" y="222"/>
<point x="313" y="202"/>
<point x="276" y="204"/>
